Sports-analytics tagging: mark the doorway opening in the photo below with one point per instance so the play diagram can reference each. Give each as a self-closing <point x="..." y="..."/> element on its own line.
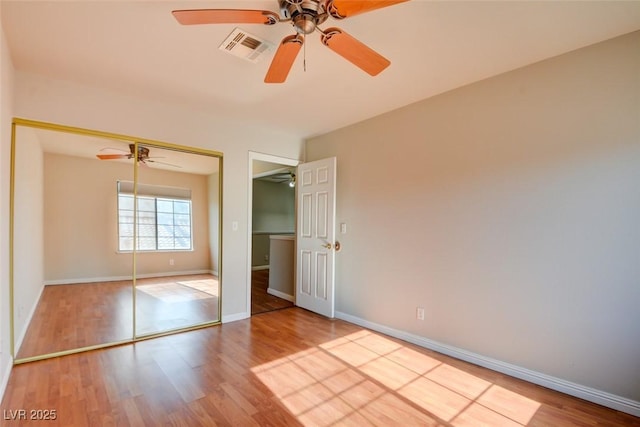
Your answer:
<point x="271" y="240"/>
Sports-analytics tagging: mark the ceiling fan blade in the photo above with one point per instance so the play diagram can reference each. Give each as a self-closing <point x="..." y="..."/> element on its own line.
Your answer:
<point x="354" y="51"/>
<point x="114" y="149"/>
<point x="225" y="16"/>
<point x="284" y="58"/>
<point x="345" y="8"/>
<point x="112" y="156"/>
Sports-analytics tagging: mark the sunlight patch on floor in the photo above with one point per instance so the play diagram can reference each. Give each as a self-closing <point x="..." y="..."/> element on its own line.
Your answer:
<point x="367" y="379"/>
<point x="208" y="286"/>
<point x="181" y="290"/>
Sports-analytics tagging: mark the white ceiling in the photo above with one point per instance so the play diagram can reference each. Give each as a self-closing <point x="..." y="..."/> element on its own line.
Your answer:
<point x="138" y="48"/>
<point x="86" y="146"/>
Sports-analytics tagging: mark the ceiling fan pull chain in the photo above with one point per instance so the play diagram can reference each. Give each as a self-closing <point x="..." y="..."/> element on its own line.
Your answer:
<point x="304" y="53"/>
<point x="305" y="16"/>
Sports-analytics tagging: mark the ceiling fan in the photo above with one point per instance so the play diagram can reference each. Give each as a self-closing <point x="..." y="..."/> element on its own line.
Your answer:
<point x="287" y="176"/>
<point x="305" y="16"/>
<point x="142" y="156"/>
<point x="284" y="177"/>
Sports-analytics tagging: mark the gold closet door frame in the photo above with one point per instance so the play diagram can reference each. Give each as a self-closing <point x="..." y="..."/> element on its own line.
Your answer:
<point x="137" y="141"/>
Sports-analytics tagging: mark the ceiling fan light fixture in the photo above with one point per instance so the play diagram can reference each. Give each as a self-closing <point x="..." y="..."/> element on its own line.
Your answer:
<point x="304" y="24"/>
<point x="306" y="16"/>
<point x="143" y="152"/>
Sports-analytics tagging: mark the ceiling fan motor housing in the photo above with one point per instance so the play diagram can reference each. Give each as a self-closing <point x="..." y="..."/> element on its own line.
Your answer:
<point x="143" y="152"/>
<point x="305" y="15"/>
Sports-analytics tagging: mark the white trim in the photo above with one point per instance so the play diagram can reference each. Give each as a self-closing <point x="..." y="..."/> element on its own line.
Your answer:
<point x="253" y="155"/>
<point x="603" y="398"/>
<point x="152" y="190"/>
<point x="279" y="294"/>
<point x="120" y="278"/>
<point x="5" y="380"/>
<point x="259" y="267"/>
<point x="235" y="317"/>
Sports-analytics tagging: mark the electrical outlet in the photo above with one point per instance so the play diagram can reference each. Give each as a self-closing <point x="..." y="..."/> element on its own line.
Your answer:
<point x="420" y="313"/>
<point x="171" y="261"/>
<point x="266" y="257"/>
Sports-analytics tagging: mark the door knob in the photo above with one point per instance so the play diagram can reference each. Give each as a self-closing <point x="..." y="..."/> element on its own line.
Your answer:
<point x="327" y="246"/>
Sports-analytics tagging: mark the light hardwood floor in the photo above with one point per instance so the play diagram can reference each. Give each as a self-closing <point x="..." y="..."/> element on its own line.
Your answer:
<point x="284" y="368"/>
<point x="261" y="301"/>
<point x="86" y="314"/>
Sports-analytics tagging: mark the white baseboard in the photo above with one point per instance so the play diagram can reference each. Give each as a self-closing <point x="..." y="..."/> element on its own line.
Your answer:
<point x="279" y="294"/>
<point x="260" y="267"/>
<point x="235" y="317"/>
<point x="603" y="398"/>
<point x="120" y="278"/>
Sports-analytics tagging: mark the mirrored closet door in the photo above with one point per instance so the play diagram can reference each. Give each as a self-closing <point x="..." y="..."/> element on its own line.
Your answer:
<point x="113" y="239"/>
<point x="176" y="256"/>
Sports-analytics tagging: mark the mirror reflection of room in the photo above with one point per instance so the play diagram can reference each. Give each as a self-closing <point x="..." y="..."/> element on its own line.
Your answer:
<point x="75" y="228"/>
<point x="176" y="260"/>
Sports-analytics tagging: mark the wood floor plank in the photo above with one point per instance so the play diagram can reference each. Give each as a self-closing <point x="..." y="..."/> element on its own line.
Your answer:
<point x="132" y="413"/>
<point x="284" y="368"/>
<point x="261" y="301"/>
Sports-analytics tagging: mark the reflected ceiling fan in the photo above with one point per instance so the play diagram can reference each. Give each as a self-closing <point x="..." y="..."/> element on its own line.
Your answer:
<point x="305" y="16"/>
<point x="284" y="177"/>
<point x="142" y="157"/>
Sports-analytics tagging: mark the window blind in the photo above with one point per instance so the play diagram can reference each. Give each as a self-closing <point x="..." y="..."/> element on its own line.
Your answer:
<point x="126" y="187"/>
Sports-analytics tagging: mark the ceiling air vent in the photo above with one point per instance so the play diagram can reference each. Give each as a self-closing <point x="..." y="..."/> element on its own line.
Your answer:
<point x="244" y="45"/>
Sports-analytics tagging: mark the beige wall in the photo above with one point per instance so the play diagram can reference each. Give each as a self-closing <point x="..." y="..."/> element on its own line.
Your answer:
<point x="28" y="235"/>
<point x="273" y="207"/>
<point x="81" y="223"/>
<point x="508" y="209"/>
<point x="57" y="101"/>
<point x="282" y="267"/>
<point x="6" y="113"/>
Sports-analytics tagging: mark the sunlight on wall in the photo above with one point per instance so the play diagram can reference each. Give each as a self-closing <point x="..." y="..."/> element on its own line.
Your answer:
<point x="364" y="378"/>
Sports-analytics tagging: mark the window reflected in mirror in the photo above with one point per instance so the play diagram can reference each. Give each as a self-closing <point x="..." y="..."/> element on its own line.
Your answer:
<point x="109" y="246"/>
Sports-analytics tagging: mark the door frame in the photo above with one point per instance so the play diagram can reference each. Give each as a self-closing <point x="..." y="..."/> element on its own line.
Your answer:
<point x="254" y="155"/>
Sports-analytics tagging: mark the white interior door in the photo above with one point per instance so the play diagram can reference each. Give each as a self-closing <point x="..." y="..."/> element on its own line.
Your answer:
<point x="315" y="236"/>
